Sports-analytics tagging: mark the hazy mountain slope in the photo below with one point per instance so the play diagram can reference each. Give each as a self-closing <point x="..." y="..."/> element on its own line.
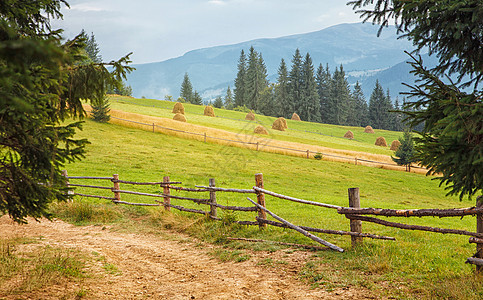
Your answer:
<point x="211" y="70"/>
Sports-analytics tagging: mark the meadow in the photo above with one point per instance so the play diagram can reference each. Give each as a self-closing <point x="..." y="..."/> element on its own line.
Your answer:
<point x="416" y="265"/>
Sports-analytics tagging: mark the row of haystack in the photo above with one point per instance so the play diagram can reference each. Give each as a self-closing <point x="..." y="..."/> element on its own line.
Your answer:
<point x="380" y="141"/>
<point x="178" y="110"/>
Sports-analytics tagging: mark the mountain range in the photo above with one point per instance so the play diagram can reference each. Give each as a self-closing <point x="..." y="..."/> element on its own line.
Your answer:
<point x="365" y="57"/>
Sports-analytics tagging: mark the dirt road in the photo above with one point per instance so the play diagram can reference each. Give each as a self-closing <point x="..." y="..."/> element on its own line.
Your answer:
<point x="168" y="266"/>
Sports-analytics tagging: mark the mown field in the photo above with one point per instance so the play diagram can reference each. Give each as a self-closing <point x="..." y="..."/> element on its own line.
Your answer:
<point x="330" y="136"/>
<point x="416" y="265"/>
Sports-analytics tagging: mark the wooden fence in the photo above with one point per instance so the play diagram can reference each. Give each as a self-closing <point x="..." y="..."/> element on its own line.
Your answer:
<point x="354" y="213"/>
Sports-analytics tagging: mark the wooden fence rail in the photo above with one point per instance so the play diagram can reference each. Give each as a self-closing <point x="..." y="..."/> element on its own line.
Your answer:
<point x="354" y="213"/>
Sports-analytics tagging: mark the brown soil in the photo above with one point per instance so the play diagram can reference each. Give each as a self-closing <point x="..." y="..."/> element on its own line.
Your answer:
<point x="167" y="266"/>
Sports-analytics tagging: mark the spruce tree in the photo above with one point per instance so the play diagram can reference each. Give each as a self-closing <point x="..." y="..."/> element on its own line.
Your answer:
<point x="361" y="110"/>
<point x="255" y="80"/>
<point x="196" y="99"/>
<point x="282" y="99"/>
<point x="450" y="143"/>
<point x="43" y="83"/>
<point x="186" y="91"/>
<point x="240" y="81"/>
<point x="310" y="104"/>
<point x="229" y="104"/>
<point x="379" y="115"/>
<point x="218" y="103"/>
<point x="267" y="101"/>
<point x="324" y="88"/>
<point x="100" y="111"/>
<point x="405" y="153"/>
<point x="339" y="101"/>
<point x="92" y="48"/>
<point x="295" y="79"/>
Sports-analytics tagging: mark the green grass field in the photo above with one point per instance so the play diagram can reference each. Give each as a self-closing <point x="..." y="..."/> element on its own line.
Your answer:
<point x="416" y="265"/>
<point x="330" y="136"/>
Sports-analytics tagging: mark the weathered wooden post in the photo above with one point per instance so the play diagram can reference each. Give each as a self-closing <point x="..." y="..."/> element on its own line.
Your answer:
<point x="479" y="229"/>
<point x="308" y="153"/>
<point x="356" y="161"/>
<point x="260" y="199"/>
<point x="167" y="199"/>
<point x="69" y="192"/>
<point x="355" y="225"/>
<point x="115" y="180"/>
<point x="213" y="212"/>
<point x="153" y="127"/>
<point x="257" y="146"/>
<point x="205" y="137"/>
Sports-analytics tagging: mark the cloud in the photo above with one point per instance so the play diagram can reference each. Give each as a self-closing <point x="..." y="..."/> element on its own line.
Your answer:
<point x="217" y="2"/>
<point x="86" y="7"/>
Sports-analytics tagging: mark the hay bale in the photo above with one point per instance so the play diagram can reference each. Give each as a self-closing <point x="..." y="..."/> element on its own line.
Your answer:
<point x="349" y="135"/>
<point x="209" y="111"/>
<point x="395" y="144"/>
<point x="381" y="141"/>
<point x="250" y="116"/>
<point x="260" y="130"/>
<point x="368" y="129"/>
<point x="178" y="108"/>
<point x="295" y="117"/>
<point x="179" y="117"/>
<point x="279" y="124"/>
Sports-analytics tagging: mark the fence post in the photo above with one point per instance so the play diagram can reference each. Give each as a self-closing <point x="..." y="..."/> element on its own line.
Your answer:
<point x="213" y="213"/>
<point x="205" y="137"/>
<point x="117" y="195"/>
<point x="260" y="199"/>
<point x="257" y="146"/>
<point x="167" y="199"/>
<point x="308" y="153"/>
<point x="479" y="229"/>
<point x="69" y="192"/>
<point x="153" y="127"/>
<point x="355" y="225"/>
<point x="356" y="161"/>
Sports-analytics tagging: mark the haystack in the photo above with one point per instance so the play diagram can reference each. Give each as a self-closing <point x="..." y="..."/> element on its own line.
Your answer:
<point x="368" y="129"/>
<point x="178" y="108"/>
<point x="279" y="124"/>
<point x="395" y="144"/>
<point x="349" y="135"/>
<point x="179" y="117"/>
<point x="260" y="130"/>
<point x="250" y="116"/>
<point x="295" y="117"/>
<point x="381" y="141"/>
<point x="209" y="111"/>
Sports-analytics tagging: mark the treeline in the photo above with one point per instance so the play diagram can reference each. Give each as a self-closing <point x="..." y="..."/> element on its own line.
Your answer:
<point x="315" y="95"/>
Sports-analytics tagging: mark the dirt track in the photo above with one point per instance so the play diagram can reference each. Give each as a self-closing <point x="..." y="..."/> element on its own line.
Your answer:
<point x="168" y="266"/>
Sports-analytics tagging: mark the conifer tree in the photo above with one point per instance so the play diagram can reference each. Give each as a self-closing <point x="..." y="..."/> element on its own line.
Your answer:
<point x="282" y="100"/>
<point x="255" y="80"/>
<point x="100" y="111"/>
<point x="218" y="103"/>
<point x="92" y="48"/>
<point x="361" y="110"/>
<point x="295" y="79"/>
<point x="309" y="109"/>
<point x="379" y="107"/>
<point x="43" y="81"/>
<point x="324" y="88"/>
<point x="240" y="81"/>
<point x="186" y="91"/>
<point x="196" y="99"/>
<point x="339" y="100"/>
<point x="267" y="101"/>
<point x="405" y="153"/>
<point x="229" y="104"/>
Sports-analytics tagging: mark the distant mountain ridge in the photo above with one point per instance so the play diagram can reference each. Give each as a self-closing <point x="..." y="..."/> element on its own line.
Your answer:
<point x="364" y="56"/>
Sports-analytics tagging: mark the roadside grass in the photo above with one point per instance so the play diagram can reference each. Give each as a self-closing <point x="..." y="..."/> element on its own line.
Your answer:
<point x="416" y="265"/>
<point x="326" y="135"/>
<point x="27" y="270"/>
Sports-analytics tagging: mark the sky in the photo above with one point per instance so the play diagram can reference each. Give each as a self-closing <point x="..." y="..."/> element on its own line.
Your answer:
<point x="156" y="30"/>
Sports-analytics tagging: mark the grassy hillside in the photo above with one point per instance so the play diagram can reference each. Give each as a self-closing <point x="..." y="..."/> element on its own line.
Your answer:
<point x="330" y="136"/>
<point x="417" y="265"/>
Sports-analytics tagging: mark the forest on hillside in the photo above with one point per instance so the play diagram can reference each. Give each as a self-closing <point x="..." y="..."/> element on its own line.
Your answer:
<point x="316" y="95"/>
